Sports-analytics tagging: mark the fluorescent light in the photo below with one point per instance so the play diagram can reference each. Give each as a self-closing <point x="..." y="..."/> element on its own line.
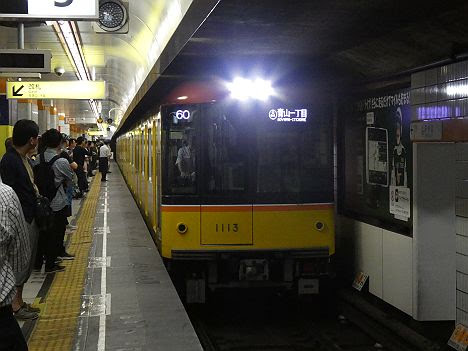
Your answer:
<point x="68" y="34"/>
<point x="182" y="97"/>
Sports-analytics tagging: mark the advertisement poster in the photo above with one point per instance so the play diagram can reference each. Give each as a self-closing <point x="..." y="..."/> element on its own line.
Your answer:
<point x="400" y="202"/>
<point x="376" y="160"/>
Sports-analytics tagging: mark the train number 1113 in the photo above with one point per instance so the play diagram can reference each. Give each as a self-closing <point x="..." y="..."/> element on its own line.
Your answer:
<point x="227" y="228"/>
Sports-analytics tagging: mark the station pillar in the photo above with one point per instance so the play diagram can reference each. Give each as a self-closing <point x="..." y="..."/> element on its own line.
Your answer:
<point x="42" y="116"/>
<point x="53" y="118"/>
<point x="24" y="111"/>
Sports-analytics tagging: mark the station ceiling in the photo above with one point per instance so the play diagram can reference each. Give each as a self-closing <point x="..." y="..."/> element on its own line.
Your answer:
<point x="334" y="43"/>
<point x="331" y="41"/>
<point x="363" y="39"/>
<point x="122" y="60"/>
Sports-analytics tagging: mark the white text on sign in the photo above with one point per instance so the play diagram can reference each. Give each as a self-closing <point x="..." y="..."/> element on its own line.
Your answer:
<point x="72" y="90"/>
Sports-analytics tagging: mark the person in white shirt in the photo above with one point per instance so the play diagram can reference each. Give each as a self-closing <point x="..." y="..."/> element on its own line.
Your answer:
<point x="184" y="160"/>
<point x="104" y="156"/>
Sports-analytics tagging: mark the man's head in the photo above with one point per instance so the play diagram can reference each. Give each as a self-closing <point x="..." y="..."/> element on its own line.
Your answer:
<point x="71" y="143"/>
<point x="8" y="143"/>
<point x="79" y="141"/>
<point x="52" y="139"/>
<point x="25" y="133"/>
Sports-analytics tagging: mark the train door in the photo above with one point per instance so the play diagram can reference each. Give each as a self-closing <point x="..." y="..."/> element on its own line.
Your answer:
<point x="226" y="211"/>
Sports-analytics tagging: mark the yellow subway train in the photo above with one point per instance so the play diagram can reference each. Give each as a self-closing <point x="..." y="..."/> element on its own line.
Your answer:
<point x="236" y="185"/>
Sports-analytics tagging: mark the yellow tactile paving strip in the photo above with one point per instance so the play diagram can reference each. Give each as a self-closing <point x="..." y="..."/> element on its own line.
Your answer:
<point x="57" y="324"/>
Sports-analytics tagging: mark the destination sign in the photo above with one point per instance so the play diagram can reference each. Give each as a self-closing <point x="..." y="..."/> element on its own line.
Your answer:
<point x="71" y="90"/>
<point x="49" y="9"/>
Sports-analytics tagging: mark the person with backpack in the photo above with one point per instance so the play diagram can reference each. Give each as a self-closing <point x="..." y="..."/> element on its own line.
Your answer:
<point x="53" y="175"/>
<point x="16" y="172"/>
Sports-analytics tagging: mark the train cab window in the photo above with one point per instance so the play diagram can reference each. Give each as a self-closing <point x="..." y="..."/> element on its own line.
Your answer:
<point x="279" y="168"/>
<point x="181" y="149"/>
<point x="225" y="152"/>
<point x="294" y="162"/>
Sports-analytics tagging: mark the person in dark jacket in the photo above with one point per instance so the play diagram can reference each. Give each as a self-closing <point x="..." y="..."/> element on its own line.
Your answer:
<point x="79" y="156"/>
<point x="16" y="172"/>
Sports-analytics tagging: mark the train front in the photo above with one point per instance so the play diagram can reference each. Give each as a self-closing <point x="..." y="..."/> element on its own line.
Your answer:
<point x="247" y="189"/>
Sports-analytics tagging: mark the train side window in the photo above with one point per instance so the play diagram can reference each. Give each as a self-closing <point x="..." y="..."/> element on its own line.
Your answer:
<point x="150" y="154"/>
<point x="225" y="163"/>
<point x="181" y="149"/>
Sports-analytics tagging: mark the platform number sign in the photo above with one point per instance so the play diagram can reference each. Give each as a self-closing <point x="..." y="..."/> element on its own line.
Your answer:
<point x="50" y="9"/>
<point x="459" y="338"/>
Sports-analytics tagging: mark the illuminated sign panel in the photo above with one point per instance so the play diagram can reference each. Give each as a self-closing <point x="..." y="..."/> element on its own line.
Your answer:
<point x="287" y="115"/>
<point x="50" y="9"/>
<point x="73" y="90"/>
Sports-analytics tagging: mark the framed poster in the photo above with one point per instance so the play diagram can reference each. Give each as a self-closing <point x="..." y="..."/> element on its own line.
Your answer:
<point x="377" y="156"/>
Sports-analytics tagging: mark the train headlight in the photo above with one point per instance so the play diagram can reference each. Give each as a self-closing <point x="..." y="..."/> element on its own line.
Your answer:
<point x="320" y="226"/>
<point x="182" y="228"/>
<point x="243" y="89"/>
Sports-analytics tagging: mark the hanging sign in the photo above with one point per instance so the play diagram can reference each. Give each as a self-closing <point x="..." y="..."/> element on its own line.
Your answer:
<point x="49" y="9"/>
<point x="72" y="90"/>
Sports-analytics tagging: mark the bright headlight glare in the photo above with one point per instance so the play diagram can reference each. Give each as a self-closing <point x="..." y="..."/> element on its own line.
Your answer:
<point x="243" y="89"/>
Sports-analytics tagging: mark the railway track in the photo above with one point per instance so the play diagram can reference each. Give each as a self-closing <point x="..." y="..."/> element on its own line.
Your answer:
<point x="265" y="321"/>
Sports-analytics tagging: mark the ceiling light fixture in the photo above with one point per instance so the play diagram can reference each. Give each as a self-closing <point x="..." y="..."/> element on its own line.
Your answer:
<point x="69" y="37"/>
<point x="182" y="97"/>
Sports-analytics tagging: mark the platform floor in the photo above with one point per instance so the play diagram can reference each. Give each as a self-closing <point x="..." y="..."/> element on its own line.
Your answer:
<point x="116" y="294"/>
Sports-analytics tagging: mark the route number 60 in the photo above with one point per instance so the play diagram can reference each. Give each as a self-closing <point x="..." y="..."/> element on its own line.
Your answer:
<point x="183" y="114"/>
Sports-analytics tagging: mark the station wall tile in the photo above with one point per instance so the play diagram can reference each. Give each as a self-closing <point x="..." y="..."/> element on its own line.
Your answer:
<point x="462" y="245"/>
<point x="462" y="300"/>
<point x="462" y="226"/>
<point x="462" y="263"/>
<point x="462" y="151"/>
<point x="461" y="188"/>
<point x="462" y="317"/>
<point x="461" y="207"/>
<point x="462" y="282"/>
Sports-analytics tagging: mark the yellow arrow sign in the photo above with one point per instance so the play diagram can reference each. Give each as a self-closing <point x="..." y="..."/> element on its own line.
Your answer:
<point x="73" y="90"/>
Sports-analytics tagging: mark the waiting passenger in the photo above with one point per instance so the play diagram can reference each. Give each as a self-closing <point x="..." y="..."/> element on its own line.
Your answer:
<point x="104" y="156"/>
<point x="52" y="241"/>
<point x="79" y="156"/>
<point x="15" y="254"/>
<point x="16" y="172"/>
<point x="94" y="158"/>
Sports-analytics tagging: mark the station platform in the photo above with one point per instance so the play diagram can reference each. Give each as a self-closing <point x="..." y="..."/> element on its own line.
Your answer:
<point x="116" y="294"/>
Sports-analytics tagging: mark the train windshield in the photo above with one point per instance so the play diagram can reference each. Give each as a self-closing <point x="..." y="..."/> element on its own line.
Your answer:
<point x="230" y="154"/>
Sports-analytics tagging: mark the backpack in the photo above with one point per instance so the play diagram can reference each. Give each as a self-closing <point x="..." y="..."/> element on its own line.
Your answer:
<point x="44" y="177"/>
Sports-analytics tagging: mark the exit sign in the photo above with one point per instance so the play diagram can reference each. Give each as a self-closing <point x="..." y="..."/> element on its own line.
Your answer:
<point x="49" y="9"/>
